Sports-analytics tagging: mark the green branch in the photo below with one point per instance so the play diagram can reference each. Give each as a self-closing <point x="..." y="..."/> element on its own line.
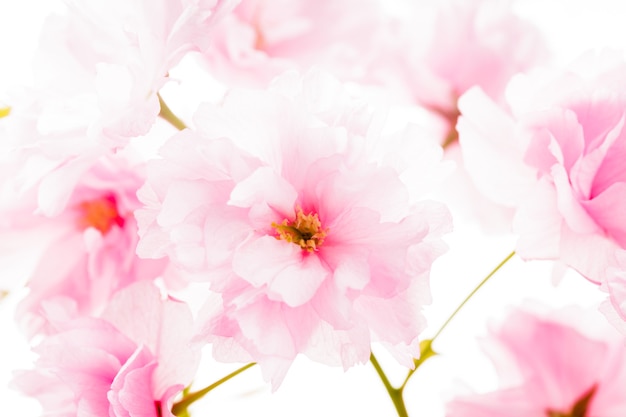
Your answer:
<point x="394" y="393"/>
<point x="169" y="116"/>
<point x="426" y="345"/>
<point x="474" y="291"/>
<point x="181" y="407"/>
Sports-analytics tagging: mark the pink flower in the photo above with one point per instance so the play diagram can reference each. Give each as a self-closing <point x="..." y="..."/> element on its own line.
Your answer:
<point x="434" y="52"/>
<point x="441" y="49"/>
<point x="133" y="362"/>
<point x="312" y="245"/>
<point x="557" y="162"/>
<point x="262" y="39"/>
<point x="115" y="56"/>
<point x="97" y="72"/>
<point x="87" y="248"/>
<point x="550" y="369"/>
<point x="47" y="148"/>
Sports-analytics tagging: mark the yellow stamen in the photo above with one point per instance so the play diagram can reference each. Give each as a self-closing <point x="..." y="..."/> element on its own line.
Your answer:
<point x="305" y="231"/>
<point x="4" y="112"/>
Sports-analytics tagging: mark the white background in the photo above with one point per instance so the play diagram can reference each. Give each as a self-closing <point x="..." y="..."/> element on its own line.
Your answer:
<point x="312" y="389"/>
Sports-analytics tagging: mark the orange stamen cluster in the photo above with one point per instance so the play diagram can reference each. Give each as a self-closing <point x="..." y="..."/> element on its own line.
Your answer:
<point x="305" y="231"/>
<point x="100" y="213"/>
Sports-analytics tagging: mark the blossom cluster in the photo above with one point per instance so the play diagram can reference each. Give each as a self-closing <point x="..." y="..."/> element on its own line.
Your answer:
<point x="300" y="208"/>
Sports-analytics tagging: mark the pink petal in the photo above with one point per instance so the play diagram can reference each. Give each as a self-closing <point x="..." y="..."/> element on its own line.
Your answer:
<point x="539" y="223"/>
<point x="481" y="128"/>
<point x="263" y="191"/>
<point x="131" y="390"/>
<point x="570" y="206"/>
<point x="290" y="274"/>
<point x="607" y="209"/>
<point x="611" y="170"/>
<point x="589" y="254"/>
<point x="165" y="327"/>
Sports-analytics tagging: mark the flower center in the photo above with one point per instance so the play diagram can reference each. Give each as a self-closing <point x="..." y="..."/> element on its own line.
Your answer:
<point x="100" y="213"/>
<point x="259" y="43"/>
<point x="305" y="231"/>
<point x="579" y="409"/>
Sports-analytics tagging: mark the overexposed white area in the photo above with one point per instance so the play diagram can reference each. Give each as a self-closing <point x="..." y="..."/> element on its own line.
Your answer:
<point x="310" y="389"/>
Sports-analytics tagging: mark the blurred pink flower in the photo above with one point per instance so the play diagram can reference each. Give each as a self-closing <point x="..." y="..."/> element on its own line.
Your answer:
<point x="549" y="369"/>
<point x="557" y="160"/>
<point x="133" y="362"/>
<point x="435" y="51"/>
<point x="311" y="243"/>
<point x="97" y="72"/>
<point x="261" y="39"/>
<point x="115" y="56"/>
<point x="87" y="248"/>
<point x="441" y="49"/>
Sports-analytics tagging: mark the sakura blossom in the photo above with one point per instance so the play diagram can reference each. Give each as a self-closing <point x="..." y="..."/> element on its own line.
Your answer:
<point x="555" y="161"/>
<point x="438" y="50"/>
<point x="261" y="39"/>
<point x="87" y="250"/>
<point x="117" y="365"/>
<point x="433" y="52"/>
<point x="312" y="245"/>
<point x="538" y="360"/>
<point x="97" y="74"/>
<point x="193" y="188"/>
<point x="115" y="57"/>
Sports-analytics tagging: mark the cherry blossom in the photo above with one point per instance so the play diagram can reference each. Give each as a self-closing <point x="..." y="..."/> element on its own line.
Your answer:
<point x="87" y="249"/>
<point x="115" y="57"/>
<point x="133" y="361"/>
<point x="550" y="369"/>
<point x="555" y="161"/>
<point x="433" y="52"/>
<point x="444" y="48"/>
<point x="261" y="39"/>
<point x="311" y="243"/>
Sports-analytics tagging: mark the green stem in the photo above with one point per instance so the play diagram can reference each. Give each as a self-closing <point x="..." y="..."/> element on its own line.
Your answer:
<point x="394" y="393"/>
<point x="169" y="116"/>
<point x="426" y="352"/>
<point x="181" y="406"/>
<point x="427" y="344"/>
<point x="474" y="291"/>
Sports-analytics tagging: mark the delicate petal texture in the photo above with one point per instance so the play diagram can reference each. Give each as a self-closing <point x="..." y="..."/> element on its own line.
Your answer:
<point x="262" y="39"/>
<point x="164" y="327"/>
<point x="120" y="54"/>
<point x="556" y="365"/>
<point x="616" y="284"/>
<point x="476" y="43"/>
<point x="491" y="144"/>
<point x="305" y="235"/>
<point x="116" y="368"/>
<point x="88" y="248"/>
<point x="563" y="141"/>
<point x="97" y="73"/>
<point x="437" y="50"/>
<point x="130" y="395"/>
